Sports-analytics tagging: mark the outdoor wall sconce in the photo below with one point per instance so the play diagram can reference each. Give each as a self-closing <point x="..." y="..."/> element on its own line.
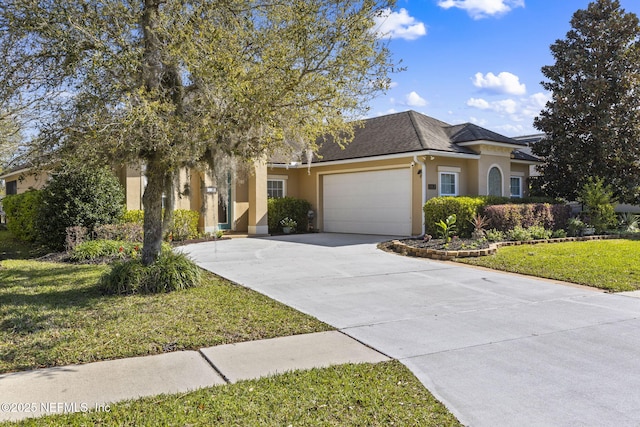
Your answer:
<point x="211" y="190"/>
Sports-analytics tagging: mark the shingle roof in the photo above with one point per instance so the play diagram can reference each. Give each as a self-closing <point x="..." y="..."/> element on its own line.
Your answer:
<point x="524" y="154"/>
<point x="408" y="132"/>
<point x="469" y="132"/>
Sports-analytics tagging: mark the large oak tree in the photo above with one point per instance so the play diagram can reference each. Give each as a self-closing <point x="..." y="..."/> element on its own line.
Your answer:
<point x="174" y="83"/>
<point x="592" y="123"/>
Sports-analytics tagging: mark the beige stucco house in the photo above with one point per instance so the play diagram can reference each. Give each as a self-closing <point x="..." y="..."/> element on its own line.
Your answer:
<point x="376" y="185"/>
<point x="380" y="181"/>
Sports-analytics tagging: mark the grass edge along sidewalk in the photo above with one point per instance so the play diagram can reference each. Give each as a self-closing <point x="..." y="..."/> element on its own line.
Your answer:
<point x="380" y="394"/>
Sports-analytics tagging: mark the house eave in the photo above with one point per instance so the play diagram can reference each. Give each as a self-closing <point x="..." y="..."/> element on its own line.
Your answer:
<point x="411" y="154"/>
<point x="526" y="162"/>
<point x="15" y="172"/>
<point x="490" y="143"/>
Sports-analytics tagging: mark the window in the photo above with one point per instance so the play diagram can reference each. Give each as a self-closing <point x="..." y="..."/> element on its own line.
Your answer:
<point x="495" y="182"/>
<point x="448" y="183"/>
<point x="12" y="187"/>
<point x="275" y="188"/>
<point x="516" y="186"/>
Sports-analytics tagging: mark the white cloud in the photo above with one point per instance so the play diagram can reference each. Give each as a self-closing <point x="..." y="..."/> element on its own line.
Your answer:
<point x="479" y="9"/>
<point x="517" y="110"/>
<point x="398" y="25"/>
<point x="506" y="106"/>
<point x="393" y="84"/>
<point x="477" y="121"/>
<point x="415" y="100"/>
<point x="389" y="111"/>
<point x="513" y="130"/>
<point x="478" y="103"/>
<point x="502" y="83"/>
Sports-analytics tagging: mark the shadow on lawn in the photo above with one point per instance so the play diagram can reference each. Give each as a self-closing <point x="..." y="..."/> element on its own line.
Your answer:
<point x="12" y="248"/>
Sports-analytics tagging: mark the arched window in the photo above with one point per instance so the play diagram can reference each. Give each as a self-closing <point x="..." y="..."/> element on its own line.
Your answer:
<point x="495" y="182"/>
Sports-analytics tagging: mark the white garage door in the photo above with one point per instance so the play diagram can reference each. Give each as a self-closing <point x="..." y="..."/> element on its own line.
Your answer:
<point x="376" y="202"/>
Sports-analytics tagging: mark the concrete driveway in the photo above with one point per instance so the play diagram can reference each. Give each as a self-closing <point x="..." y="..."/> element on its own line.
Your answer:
<point x="496" y="349"/>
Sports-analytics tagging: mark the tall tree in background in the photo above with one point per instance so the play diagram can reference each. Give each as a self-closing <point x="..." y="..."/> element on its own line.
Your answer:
<point x="592" y="122"/>
<point x="173" y="83"/>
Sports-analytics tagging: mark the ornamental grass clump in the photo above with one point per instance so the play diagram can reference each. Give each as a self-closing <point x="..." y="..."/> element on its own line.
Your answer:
<point x="170" y="272"/>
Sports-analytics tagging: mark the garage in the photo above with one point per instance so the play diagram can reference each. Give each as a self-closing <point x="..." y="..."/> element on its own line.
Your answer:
<point x="374" y="202"/>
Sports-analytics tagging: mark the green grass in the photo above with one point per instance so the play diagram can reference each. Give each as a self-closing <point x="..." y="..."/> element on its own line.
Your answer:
<point x="11" y="248"/>
<point x="382" y="394"/>
<point x="613" y="265"/>
<point x="53" y="314"/>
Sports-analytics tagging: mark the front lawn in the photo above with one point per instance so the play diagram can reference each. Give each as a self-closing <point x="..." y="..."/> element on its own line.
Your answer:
<point x="383" y="394"/>
<point x="613" y="265"/>
<point x="52" y="314"/>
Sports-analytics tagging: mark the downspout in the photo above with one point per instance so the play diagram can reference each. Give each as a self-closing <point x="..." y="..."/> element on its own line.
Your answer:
<point x="423" y="165"/>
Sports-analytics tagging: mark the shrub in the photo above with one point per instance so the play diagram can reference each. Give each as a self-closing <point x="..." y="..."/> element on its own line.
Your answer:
<point x="538" y="232"/>
<point x="128" y="231"/>
<point x="124" y="278"/>
<point x="628" y="222"/>
<point x="598" y="200"/>
<point x="446" y="229"/>
<point x="440" y="208"/>
<point x="500" y="200"/>
<point x="519" y="234"/>
<point x="494" y="235"/>
<point x="79" y="197"/>
<point x="94" y="249"/>
<point x="168" y="273"/>
<point x="559" y="234"/>
<point x="479" y="222"/>
<point x="185" y="224"/>
<point x="507" y="217"/>
<point x="287" y="207"/>
<point x="75" y="236"/>
<point x="575" y="227"/>
<point x="134" y="216"/>
<point x="22" y="212"/>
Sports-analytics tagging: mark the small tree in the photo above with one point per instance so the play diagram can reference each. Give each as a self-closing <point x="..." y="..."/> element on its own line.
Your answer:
<point x="81" y="197"/>
<point x="598" y="202"/>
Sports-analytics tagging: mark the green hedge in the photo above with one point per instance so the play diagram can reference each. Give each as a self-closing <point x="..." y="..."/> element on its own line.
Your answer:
<point x="465" y="208"/>
<point x="22" y="213"/>
<point x="508" y="217"/>
<point x="287" y="207"/>
<point x="439" y="208"/>
<point x="185" y="222"/>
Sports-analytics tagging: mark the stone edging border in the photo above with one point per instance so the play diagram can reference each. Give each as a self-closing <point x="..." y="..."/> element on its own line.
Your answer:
<point x="443" y="255"/>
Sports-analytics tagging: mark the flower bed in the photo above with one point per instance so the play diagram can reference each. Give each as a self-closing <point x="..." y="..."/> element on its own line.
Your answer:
<point x="436" y="249"/>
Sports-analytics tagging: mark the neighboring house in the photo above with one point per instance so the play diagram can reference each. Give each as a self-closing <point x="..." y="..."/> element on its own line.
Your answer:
<point x="377" y="184"/>
<point x="530" y="141"/>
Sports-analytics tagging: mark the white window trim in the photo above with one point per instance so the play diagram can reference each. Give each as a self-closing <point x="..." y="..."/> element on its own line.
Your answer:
<point x="519" y="178"/>
<point x="501" y="178"/>
<point x="282" y="179"/>
<point x="455" y="182"/>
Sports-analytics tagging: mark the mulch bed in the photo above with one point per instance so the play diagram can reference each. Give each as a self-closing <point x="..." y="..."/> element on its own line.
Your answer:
<point x="439" y="244"/>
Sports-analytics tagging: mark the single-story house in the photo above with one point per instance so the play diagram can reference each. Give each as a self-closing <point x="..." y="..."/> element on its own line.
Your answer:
<point x="377" y="184"/>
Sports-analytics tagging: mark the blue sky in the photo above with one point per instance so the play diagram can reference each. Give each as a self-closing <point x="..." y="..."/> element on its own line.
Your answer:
<point x="475" y="61"/>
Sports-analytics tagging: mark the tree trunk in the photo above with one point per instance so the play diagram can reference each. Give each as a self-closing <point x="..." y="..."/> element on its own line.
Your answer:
<point x="170" y="201"/>
<point x="152" y="201"/>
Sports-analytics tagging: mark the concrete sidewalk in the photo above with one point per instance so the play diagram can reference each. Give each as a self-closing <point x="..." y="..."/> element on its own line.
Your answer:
<point x="82" y="388"/>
